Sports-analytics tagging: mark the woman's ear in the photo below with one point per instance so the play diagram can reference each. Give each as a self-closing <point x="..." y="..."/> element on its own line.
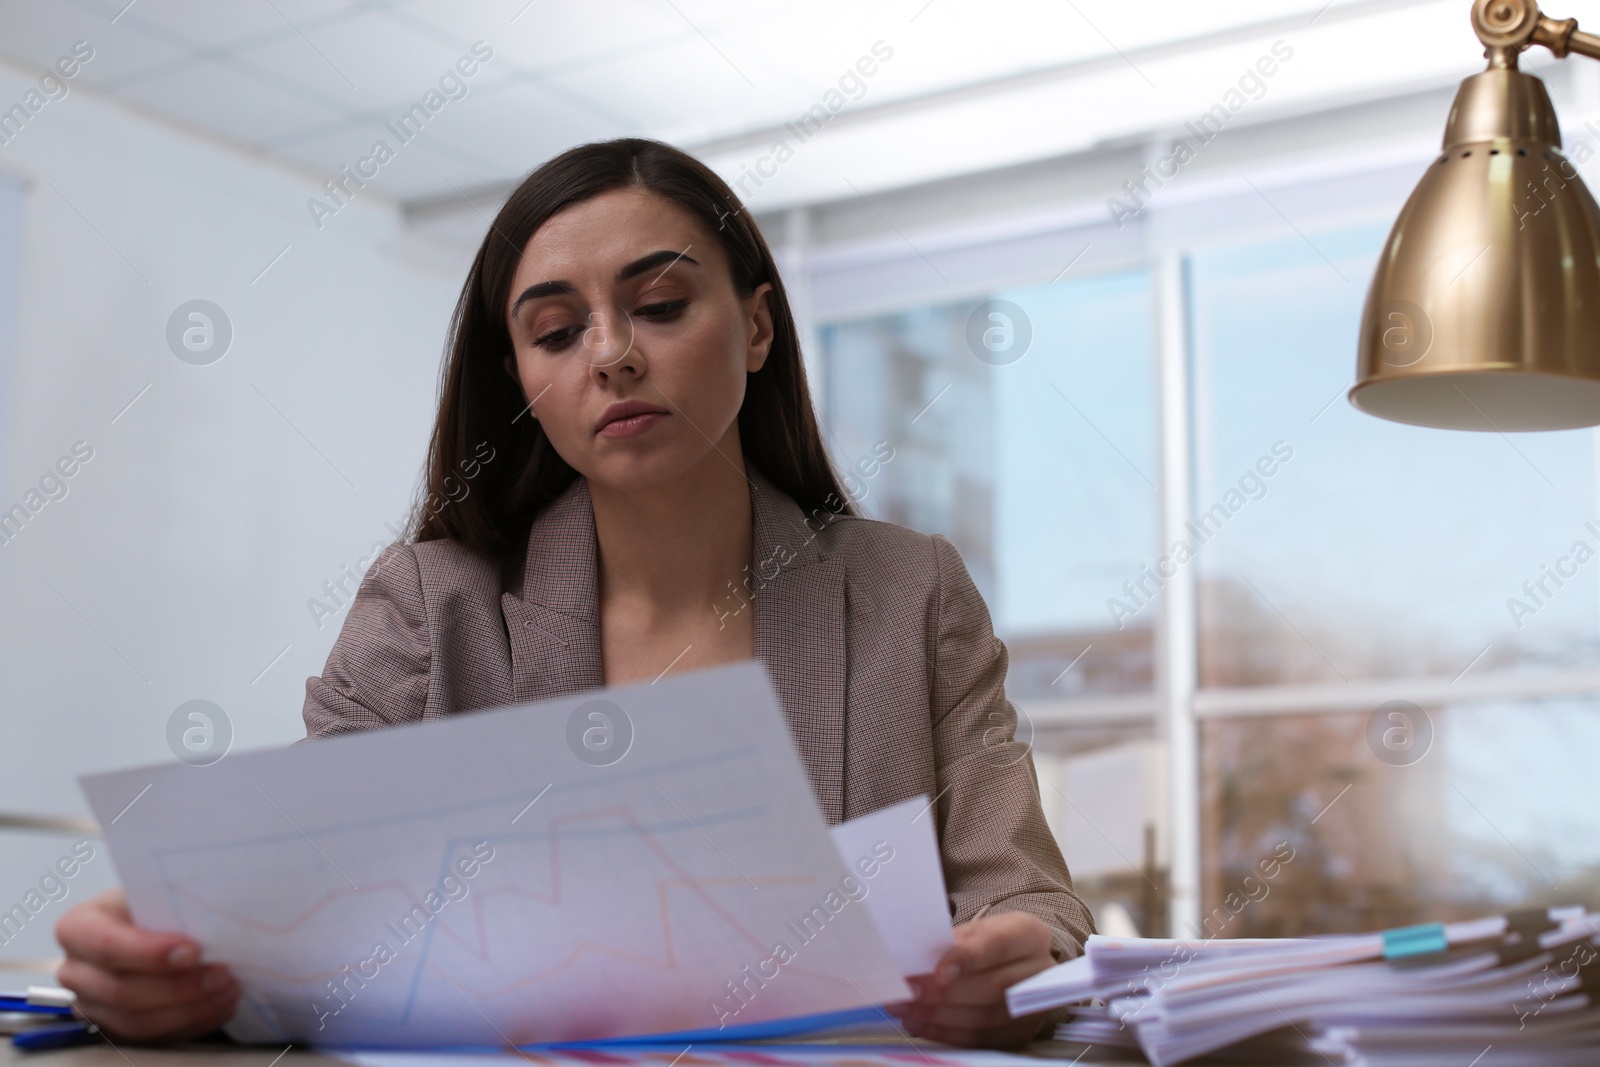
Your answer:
<point x="758" y="308"/>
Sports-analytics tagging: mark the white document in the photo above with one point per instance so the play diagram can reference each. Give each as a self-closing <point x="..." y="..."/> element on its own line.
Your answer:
<point x="639" y="860"/>
<point x="894" y="855"/>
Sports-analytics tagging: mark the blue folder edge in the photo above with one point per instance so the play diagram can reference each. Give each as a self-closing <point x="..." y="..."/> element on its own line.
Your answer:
<point x="799" y="1024"/>
<point x="793" y="1026"/>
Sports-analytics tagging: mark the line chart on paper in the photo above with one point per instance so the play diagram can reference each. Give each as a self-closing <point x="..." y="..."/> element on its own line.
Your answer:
<point x="523" y="884"/>
<point x="468" y="881"/>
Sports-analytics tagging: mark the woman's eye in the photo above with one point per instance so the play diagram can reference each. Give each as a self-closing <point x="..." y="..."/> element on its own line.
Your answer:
<point x="662" y="311"/>
<point x="556" y="340"/>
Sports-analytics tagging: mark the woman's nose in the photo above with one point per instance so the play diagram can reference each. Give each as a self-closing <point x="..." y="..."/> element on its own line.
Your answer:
<point x="608" y="339"/>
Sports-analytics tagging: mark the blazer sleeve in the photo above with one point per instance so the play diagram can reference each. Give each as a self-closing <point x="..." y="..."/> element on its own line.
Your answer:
<point x="377" y="672"/>
<point x="997" y="849"/>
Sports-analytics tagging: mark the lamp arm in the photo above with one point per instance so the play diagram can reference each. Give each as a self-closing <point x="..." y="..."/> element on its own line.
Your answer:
<point x="1507" y="27"/>
<point x="1562" y="36"/>
<point x="1583" y="44"/>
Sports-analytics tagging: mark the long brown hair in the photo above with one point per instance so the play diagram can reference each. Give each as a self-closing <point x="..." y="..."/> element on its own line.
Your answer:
<point x="490" y="467"/>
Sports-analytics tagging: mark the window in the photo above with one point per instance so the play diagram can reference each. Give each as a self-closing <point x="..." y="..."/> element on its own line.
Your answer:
<point x="1375" y="550"/>
<point x="1395" y="627"/>
<point x="1415" y="565"/>
<point x="1498" y="813"/>
<point x="1022" y="427"/>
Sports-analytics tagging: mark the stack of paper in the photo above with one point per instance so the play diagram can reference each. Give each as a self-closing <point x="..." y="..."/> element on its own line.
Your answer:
<point x="1520" y="988"/>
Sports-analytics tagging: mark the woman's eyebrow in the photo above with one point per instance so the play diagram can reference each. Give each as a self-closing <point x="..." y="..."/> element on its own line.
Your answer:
<point x="534" y="292"/>
<point x="632" y="270"/>
<point x="654" y="259"/>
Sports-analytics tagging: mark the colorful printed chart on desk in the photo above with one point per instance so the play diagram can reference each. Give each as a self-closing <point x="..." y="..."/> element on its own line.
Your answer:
<point x="608" y="864"/>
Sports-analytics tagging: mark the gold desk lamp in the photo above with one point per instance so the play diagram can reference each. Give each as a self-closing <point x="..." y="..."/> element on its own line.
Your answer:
<point x="1484" y="311"/>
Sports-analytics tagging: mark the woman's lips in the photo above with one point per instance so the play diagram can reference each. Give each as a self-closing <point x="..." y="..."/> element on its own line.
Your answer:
<point x="633" y="425"/>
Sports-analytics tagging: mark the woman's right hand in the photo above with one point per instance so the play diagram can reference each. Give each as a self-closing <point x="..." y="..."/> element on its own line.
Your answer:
<point x="136" y="984"/>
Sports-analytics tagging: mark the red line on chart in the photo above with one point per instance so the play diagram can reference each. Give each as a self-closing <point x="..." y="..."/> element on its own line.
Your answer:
<point x="272" y="928"/>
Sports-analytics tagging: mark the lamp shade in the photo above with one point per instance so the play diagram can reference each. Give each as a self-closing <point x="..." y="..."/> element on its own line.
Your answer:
<point x="1484" y="311"/>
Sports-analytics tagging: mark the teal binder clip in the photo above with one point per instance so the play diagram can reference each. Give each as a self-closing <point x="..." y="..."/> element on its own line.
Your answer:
<point x="1410" y="941"/>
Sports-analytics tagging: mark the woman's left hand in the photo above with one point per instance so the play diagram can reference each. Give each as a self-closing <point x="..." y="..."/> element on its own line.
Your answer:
<point x="963" y="1002"/>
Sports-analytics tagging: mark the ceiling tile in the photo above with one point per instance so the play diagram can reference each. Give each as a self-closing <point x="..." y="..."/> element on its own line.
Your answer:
<point x="37" y="35"/>
<point x="686" y="86"/>
<point x="206" y="24"/>
<point x="365" y="63"/>
<point x="230" y="100"/>
<point x="554" y="34"/>
<point x="521" y="126"/>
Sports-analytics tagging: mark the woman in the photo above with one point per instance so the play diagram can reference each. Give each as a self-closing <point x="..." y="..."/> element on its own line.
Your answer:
<point x="626" y="478"/>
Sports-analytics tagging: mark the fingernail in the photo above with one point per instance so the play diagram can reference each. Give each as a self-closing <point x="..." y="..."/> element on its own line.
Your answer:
<point x="214" y="981"/>
<point x="184" y="956"/>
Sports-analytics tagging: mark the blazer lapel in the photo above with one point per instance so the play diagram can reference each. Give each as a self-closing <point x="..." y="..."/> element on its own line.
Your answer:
<point x="799" y="630"/>
<point x="554" y="624"/>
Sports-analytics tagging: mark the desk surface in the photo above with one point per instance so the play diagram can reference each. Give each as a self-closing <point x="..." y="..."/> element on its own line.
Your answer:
<point x="104" y="1055"/>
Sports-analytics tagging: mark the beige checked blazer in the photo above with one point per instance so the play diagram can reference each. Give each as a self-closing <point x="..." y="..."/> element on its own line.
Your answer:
<point x="877" y="642"/>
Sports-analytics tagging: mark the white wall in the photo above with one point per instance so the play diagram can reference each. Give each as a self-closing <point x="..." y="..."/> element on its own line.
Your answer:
<point x="180" y="562"/>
